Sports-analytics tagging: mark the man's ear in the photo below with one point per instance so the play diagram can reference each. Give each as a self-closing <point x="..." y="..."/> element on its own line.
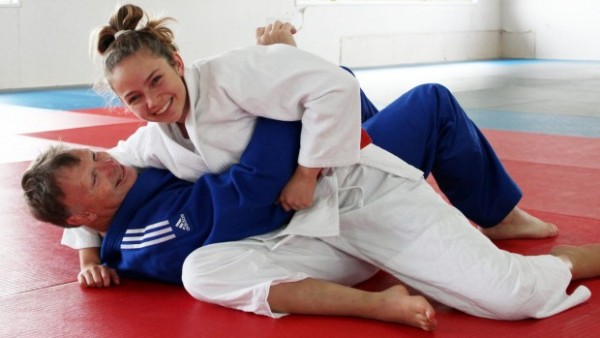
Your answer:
<point x="84" y="218"/>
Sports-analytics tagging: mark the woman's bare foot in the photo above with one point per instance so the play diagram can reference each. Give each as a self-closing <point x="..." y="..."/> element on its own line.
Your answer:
<point x="520" y="224"/>
<point x="398" y="306"/>
<point x="584" y="260"/>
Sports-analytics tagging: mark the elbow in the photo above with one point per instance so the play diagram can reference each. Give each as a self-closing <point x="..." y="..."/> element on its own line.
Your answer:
<point x="349" y="82"/>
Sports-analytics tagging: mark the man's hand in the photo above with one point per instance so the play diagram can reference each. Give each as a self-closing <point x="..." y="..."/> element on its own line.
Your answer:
<point x="300" y="190"/>
<point x="98" y="276"/>
<point x="277" y="32"/>
<point x="93" y="274"/>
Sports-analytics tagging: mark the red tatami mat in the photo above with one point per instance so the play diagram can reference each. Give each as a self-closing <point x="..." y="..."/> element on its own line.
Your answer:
<point x="31" y="255"/>
<point x="558" y="189"/>
<point x="546" y="149"/>
<point x="144" y="309"/>
<point x="40" y="298"/>
<point x="97" y="136"/>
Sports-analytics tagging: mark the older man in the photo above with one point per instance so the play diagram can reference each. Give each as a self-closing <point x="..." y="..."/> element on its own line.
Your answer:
<point x="152" y="220"/>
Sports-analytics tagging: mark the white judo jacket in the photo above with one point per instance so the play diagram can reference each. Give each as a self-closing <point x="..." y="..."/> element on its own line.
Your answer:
<point x="227" y="93"/>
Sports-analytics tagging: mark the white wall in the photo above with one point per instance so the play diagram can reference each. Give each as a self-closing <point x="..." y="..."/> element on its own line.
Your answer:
<point x="552" y="29"/>
<point x="362" y="36"/>
<point x="45" y="43"/>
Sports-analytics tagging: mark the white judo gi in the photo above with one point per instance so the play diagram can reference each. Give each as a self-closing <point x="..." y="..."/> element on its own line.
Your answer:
<point x="381" y="214"/>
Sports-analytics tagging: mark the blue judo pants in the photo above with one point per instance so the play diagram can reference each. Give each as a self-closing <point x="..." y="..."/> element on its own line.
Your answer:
<point x="427" y="128"/>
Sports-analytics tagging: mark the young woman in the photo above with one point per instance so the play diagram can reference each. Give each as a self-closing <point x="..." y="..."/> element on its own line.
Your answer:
<point x="202" y="116"/>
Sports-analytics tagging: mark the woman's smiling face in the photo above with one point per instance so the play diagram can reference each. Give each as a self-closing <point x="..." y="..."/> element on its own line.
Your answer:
<point x="151" y="87"/>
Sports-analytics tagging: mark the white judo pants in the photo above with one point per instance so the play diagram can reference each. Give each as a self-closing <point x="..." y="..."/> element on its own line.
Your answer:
<point x="403" y="227"/>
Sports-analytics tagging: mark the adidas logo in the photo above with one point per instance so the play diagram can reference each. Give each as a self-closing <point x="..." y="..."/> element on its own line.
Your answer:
<point x="182" y="223"/>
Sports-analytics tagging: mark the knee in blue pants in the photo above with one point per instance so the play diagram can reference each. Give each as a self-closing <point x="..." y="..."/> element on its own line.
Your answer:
<point x="427" y="128"/>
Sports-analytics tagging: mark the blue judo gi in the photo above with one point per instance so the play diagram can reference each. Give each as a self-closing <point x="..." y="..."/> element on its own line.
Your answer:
<point x="164" y="218"/>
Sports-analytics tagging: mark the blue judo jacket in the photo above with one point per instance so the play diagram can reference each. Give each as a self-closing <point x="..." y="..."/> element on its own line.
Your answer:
<point x="163" y="218"/>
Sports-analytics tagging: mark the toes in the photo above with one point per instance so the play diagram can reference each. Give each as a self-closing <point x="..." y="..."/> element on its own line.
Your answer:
<point x="426" y="321"/>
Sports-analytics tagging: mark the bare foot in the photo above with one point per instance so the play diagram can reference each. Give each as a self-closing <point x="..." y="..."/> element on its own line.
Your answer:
<point x="520" y="224"/>
<point x="398" y="306"/>
<point x="584" y="260"/>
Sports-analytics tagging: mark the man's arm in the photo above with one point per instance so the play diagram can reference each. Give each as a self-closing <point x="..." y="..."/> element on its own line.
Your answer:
<point x="93" y="274"/>
<point x="244" y="197"/>
<point x="87" y="242"/>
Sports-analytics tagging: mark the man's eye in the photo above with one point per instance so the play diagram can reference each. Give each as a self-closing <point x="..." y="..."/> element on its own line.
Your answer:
<point x="132" y="99"/>
<point x="156" y="80"/>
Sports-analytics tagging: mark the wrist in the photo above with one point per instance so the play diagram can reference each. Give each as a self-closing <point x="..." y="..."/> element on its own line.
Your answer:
<point x="307" y="173"/>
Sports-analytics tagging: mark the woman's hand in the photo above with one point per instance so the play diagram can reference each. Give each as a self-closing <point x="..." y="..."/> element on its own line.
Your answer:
<point x="277" y="32"/>
<point x="300" y="190"/>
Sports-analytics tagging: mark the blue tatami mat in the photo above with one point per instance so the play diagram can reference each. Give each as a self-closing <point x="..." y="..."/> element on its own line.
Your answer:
<point x="566" y="125"/>
<point x="60" y="99"/>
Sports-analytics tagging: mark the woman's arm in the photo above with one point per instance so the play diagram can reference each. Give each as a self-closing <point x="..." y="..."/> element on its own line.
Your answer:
<point x="300" y="190"/>
<point x="284" y="83"/>
<point x="277" y="32"/>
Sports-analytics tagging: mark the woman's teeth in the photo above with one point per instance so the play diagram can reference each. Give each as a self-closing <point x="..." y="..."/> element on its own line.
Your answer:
<point x="165" y="107"/>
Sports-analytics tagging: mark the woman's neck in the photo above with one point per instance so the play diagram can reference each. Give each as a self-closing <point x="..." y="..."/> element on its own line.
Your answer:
<point x="182" y="129"/>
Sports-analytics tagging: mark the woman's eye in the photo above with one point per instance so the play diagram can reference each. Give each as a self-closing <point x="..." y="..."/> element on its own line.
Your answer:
<point x="156" y="80"/>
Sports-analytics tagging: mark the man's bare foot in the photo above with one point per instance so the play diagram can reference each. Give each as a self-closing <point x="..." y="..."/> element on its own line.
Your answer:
<point x="584" y="260"/>
<point x="398" y="306"/>
<point x="520" y="224"/>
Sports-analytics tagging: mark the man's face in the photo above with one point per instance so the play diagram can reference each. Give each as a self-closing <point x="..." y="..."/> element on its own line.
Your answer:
<point x="95" y="187"/>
